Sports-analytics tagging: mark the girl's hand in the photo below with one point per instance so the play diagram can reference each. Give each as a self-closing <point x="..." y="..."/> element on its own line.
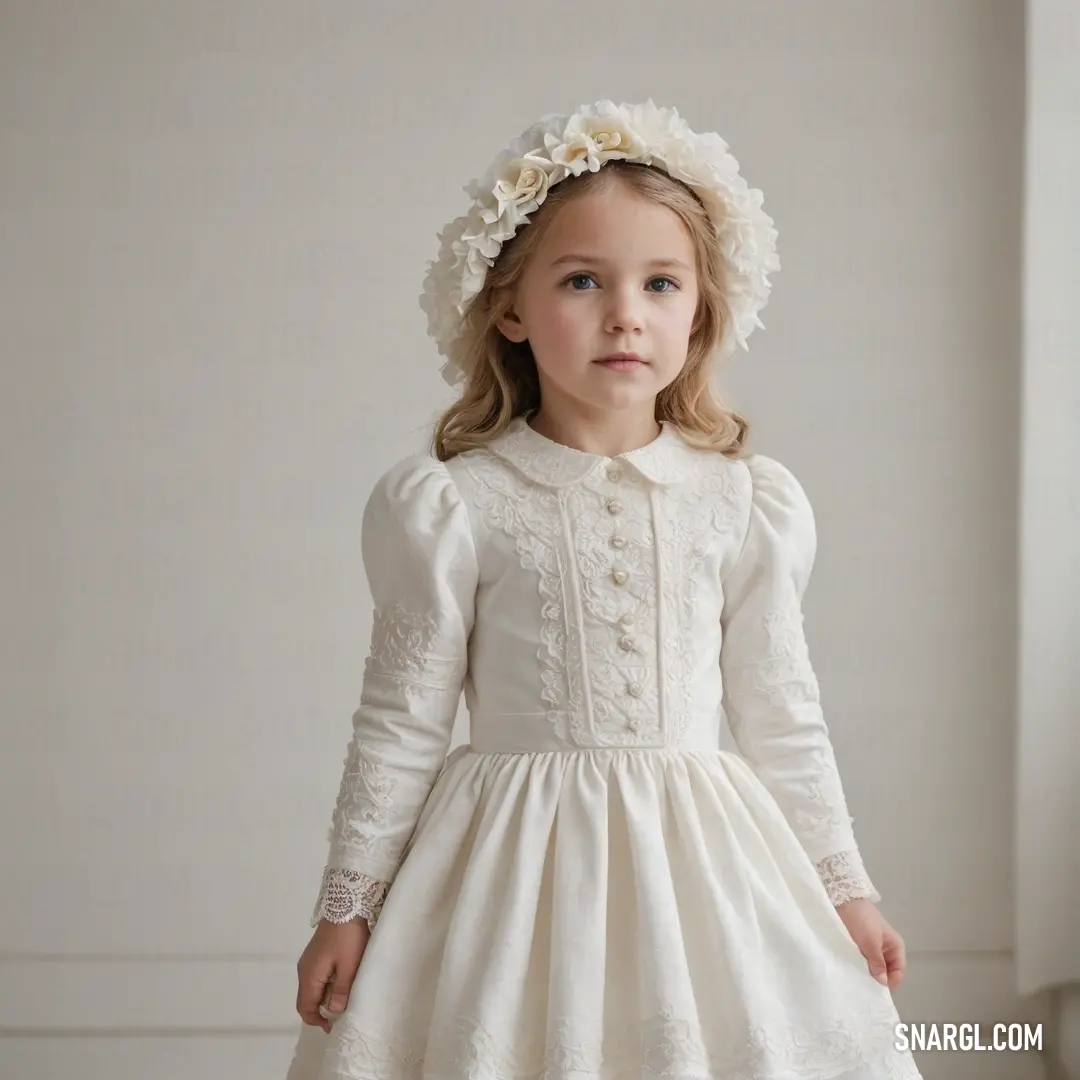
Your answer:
<point x="882" y="946"/>
<point x="330" y="960"/>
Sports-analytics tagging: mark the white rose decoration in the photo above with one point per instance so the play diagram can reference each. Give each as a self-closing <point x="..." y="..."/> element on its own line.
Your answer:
<point x="522" y="184"/>
<point x="576" y="153"/>
<point x="611" y="131"/>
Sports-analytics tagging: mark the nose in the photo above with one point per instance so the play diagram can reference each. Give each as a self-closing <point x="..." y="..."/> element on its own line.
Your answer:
<point x="624" y="314"/>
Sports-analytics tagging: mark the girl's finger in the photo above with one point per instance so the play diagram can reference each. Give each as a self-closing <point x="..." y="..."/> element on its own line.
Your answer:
<point x="875" y="961"/>
<point x="896" y="958"/>
<point x="308" y="999"/>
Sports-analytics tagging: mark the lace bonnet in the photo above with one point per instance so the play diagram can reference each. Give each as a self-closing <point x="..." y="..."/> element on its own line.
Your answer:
<point x="559" y="146"/>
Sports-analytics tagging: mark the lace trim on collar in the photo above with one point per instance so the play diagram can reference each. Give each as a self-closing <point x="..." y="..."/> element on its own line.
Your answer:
<point x="668" y="459"/>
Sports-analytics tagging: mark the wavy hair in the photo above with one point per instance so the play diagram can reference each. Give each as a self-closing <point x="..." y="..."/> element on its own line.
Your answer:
<point x="502" y="381"/>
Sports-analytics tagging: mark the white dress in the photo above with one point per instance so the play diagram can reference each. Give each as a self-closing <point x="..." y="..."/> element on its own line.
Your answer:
<point x="592" y="889"/>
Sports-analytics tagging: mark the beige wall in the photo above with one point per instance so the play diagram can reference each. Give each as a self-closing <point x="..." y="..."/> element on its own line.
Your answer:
<point x="214" y="219"/>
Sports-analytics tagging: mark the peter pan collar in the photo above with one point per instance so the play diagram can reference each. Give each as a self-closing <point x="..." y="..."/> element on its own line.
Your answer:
<point x="668" y="459"/>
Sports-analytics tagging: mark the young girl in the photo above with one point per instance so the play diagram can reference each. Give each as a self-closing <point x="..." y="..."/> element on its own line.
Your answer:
<point x="592" y="888"/>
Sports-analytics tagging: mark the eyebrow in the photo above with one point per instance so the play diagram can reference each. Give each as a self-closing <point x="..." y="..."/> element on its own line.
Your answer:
<point x="593" y="260"/>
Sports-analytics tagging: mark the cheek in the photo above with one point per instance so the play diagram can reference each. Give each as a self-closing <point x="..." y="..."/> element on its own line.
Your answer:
<point x="560" y="337"/>
<point x="681" y="320"/>
<point x="559" y="321"/>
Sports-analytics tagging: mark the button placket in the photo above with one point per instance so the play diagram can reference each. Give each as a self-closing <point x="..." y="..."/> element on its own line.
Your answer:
<point x="620" y="575"/>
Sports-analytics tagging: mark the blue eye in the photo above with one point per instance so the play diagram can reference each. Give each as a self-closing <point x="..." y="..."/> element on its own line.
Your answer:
<point x="579" y="277"/>
<point x="668" y="280"/>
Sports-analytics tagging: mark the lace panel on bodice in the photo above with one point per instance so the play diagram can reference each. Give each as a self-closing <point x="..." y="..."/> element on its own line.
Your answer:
<point x="615" y="558"/>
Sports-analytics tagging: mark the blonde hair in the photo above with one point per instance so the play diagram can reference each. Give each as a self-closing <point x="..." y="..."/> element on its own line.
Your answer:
<point x="502" y="382"/>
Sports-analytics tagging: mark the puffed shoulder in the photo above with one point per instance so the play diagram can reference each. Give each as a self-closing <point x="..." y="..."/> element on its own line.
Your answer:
<point x="417" y="477"/>
<point x="414" y="508"/>
<point x="781" y="519"/>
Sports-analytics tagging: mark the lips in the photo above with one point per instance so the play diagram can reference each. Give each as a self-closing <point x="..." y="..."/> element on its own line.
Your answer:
<point x="624" y="362"/>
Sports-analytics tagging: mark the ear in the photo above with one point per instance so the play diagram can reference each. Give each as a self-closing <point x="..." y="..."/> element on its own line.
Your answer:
<point x="511" y="327"/>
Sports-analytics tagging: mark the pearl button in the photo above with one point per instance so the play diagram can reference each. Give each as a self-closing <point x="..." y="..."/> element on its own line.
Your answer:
<point x="628" y="622"/>
<point x="635" y="689"/>
<point x="626" y="643"/>
<point x="614" y="475"/>
<point x="634" y="724"/>
<point x="620" y="577"/>
<point x="614" y="506"/>
<point x="618" y="542"/>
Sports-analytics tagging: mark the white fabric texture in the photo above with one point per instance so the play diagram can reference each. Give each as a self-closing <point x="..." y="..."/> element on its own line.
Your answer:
<point x="591" y="888"/>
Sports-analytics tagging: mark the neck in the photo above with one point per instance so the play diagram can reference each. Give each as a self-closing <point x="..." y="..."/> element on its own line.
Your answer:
<point x="609" y="435"/>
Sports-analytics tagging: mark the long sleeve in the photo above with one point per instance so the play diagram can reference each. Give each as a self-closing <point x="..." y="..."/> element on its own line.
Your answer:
<point x="421" y="567"/>
<point x="771" y="694"/>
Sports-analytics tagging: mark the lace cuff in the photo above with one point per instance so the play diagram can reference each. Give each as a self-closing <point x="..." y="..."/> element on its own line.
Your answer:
<point x="348" y="894"/>
<point x="845" y="878"/>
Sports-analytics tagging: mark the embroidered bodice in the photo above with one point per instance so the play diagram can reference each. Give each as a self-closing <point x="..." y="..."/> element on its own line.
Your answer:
<point x="583" y="603"/>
